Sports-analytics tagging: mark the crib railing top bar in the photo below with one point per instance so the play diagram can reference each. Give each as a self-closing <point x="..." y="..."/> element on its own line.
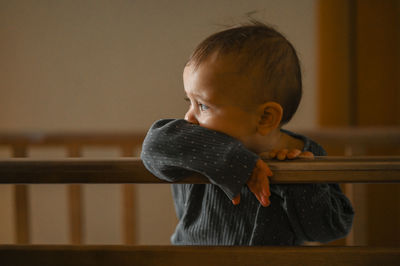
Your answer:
<point x="89" y="138"/>
<point x="385" y="169"/>
<point x="336" y="134"/>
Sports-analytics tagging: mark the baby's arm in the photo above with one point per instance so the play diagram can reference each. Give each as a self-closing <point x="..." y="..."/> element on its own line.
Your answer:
<point x="174" y="149"/>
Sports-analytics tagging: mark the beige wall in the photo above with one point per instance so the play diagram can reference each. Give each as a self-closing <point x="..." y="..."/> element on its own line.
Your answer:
<point x="116" y="66"/>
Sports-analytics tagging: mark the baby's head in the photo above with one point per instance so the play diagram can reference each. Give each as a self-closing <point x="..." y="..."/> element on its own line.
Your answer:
<point x="244" y="68"/>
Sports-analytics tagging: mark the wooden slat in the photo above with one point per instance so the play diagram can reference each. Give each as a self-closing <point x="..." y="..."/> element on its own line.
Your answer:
<point x="128" y="205"/>
<point x="348" y="190"/>
<point x="75" y="205"/>
<point x="131" y="170"/>
<point x="174" y="255"/>
<point x="22" y="231"/>
<point x="75" y="214"/>
<point x="21" y="201"/>
<point x="128" y="214"/>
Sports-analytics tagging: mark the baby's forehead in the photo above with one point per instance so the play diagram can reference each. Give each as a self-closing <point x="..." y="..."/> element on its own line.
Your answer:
<point x="221" y="81"/>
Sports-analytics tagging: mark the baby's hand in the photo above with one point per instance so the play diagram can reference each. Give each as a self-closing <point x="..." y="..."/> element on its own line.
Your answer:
<point x="287" y="154"/>
<point x="258" y="184"/>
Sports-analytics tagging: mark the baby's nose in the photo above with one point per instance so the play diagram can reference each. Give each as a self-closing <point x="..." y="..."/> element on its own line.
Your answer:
<point x="191" y="118"/>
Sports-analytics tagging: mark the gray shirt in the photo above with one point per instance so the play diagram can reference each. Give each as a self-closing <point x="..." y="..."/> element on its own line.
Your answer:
<point x="174" y="149"/>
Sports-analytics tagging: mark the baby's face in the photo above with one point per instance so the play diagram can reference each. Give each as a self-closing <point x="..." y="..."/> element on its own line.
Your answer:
<point x="216" y="92"/>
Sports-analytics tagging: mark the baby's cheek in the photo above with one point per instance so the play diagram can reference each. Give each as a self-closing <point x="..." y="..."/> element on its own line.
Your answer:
<point x="212" y="124"/>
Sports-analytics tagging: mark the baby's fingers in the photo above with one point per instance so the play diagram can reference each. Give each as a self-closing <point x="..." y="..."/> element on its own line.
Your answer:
<point x="263" y="172"/>
<point x="260" y="193"/>
<point x="264" y="200"/>
<point x="306" y="155"/>
<point x="262" y="169"/>
<point x="282" y="154"/>
<point x="258" y="183"/>
<point x="292" y="154"/>
<point x="270" y="155"/>
<point x="263" y="196"/>
<point x="236" y="200"/>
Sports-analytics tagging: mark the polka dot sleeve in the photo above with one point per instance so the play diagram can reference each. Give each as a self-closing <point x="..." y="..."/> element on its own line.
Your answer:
<point x="174" y="149"/>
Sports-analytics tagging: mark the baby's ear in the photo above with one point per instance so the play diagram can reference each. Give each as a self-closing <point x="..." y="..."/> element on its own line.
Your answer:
<point x="270" y="117"/>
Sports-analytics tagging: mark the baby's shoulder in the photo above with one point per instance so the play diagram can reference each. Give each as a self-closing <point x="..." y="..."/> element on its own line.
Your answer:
<point x="306" y="143"/>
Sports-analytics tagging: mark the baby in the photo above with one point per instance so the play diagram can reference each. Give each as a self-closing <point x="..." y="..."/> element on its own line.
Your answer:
<point x="242" y="84"/>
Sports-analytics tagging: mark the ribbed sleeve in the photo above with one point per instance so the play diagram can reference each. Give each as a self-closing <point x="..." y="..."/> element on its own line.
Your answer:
<point x="173" y="149"/>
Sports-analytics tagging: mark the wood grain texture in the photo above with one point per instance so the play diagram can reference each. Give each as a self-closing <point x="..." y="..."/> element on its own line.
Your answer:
<point x="71" y="138"/>
<point x="175" y="255"/>
<point x="379" y="169"/>
<point x="21" y="202"/>
<point x="128" y="202"/>
<point x="75" y="205"/>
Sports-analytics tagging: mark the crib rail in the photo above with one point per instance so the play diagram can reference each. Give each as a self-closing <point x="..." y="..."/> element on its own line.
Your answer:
<point x="337" y="141"/>
<point x="340" y="169"/>
<point x="182" y="256"/>
<point x="377" y="169"/>
<point x="365" y="136"/>
<point x="74" y="144"/>
<point x="76" y="139"/>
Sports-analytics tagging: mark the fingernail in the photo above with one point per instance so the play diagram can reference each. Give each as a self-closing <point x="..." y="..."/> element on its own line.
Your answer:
<point x="265" y="202"/>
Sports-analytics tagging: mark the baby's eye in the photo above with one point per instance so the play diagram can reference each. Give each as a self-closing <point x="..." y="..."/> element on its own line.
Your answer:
<point x="203" y="107"/>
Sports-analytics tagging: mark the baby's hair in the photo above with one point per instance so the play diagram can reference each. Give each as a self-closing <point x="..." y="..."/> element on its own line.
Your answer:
<point x="267" y="54"/>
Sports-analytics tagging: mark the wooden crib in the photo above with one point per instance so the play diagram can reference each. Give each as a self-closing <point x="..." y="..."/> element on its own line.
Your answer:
<point x="128" y="144"/>
<point x="349" y="170"/>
